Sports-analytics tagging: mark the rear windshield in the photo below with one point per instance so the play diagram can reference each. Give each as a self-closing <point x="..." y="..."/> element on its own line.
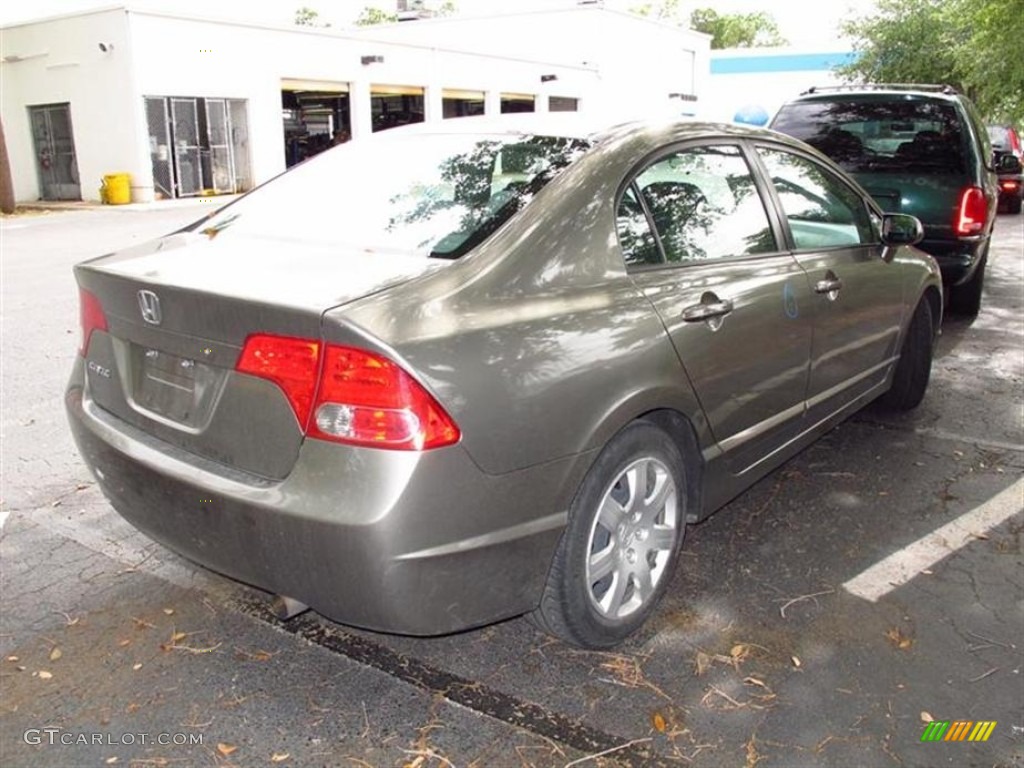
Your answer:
<point x="430" y="195"/>
<point x="898" y="136"/>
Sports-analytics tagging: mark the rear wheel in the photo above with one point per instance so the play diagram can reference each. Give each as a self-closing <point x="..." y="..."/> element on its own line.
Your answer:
<point x="618" y="552"/>
<point x="913" y="370"/>
<point x="1014" y="205"/>
<point x="966" y="299"/>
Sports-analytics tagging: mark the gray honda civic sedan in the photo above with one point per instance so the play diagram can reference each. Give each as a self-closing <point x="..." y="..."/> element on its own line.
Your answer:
<point x="462" y="371"/>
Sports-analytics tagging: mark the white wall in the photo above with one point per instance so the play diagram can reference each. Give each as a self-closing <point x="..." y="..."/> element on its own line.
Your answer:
<point x="60" y="61"/>
<point x="639" y="61"/>
<point x="163" y="55"/>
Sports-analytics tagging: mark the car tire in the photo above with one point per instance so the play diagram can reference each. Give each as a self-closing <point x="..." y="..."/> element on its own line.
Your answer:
<point x="966" y="299"/>
<point x="913" y="370"/>
<point x="1014" y="206"/>
<point x="618" y="552"/>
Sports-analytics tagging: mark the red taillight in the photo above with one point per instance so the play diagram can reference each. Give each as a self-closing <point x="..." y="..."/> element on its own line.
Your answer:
<point x="293" y="364"/>
<point x="972" y="212"/>
<point x="92" y="317"/>
<point x="1009" y="186"/>
<point x="366" y="399"/>
<point x="361" y="399"/>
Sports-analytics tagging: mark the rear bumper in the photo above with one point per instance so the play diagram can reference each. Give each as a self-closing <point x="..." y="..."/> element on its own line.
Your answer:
<point x="414" y="543"/>
<point x="957" y="259"/>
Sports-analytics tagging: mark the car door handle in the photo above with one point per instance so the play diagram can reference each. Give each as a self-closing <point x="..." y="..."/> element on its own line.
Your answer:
<point x="828" y="286"/>
<point x="699" y="312"/>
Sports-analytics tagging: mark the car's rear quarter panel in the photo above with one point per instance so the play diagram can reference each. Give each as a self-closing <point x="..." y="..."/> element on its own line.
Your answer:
<point x="539" y="344"/>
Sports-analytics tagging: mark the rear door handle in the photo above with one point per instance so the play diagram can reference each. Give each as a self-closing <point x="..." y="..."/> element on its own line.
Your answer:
<point x="828" y="286"/>
<point x="700" y="312"/>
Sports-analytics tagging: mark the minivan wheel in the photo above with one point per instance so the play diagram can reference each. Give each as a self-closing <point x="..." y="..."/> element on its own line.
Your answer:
<point x="618" y="551"/>
<point x="1014" y="205"/>
<point x="966" y="299"/>
<point x="913" y="370"/>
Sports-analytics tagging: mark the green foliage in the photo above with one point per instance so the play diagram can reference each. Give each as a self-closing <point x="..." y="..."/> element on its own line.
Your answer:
<point x="973" y="45"/>
<point x="737" y="30"/>
<point x="307" y="17"/>
<point x="666" y="10"/>
<point x="370" y="16"/>
<point x="727" y="30"/>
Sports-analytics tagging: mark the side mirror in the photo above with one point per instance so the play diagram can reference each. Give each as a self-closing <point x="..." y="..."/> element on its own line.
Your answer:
<point x="899" y="229"/>
<point x="1007" y="163"/>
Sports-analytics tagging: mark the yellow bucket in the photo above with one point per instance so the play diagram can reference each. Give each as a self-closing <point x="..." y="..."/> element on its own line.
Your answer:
<point x="117" y="188"/>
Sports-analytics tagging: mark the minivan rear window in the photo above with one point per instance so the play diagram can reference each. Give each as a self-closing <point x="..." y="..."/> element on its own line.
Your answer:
<point x="906" y="136"/>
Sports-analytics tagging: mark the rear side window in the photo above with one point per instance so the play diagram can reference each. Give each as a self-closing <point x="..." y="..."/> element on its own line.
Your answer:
<point x="905" y="136"/>
<point x="703" y="204"/>
<point x="822" y="211"/>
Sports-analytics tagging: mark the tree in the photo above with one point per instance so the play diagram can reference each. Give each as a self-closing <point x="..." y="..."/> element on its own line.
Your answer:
<point x="737" y="30"/>
<point x="307" y="17"/>
<point x="973" y="45"/>
<point x="727" y="30"/>
<point x="371" y="16"/>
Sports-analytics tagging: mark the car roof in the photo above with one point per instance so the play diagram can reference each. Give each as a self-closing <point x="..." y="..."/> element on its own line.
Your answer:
<point x="880" y="92"/>
<point x="577" y="125"/>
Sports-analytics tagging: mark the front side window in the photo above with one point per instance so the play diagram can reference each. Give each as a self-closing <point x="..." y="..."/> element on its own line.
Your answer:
<point x="704" y="205"/>
<point x="433" y="195"/>
<point x="822" y="211"/>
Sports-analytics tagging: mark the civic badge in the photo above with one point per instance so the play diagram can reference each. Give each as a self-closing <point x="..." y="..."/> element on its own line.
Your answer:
<point x="149" y="305"/>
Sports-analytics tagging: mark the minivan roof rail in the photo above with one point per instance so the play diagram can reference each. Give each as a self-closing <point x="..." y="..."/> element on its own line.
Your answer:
<point x="935" y="88"/>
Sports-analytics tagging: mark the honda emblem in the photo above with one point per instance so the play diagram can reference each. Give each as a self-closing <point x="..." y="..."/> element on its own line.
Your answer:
<point x="149" y="305"/>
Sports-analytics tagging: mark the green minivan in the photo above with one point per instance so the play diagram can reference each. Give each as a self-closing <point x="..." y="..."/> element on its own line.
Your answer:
<point x="917" y="149"/>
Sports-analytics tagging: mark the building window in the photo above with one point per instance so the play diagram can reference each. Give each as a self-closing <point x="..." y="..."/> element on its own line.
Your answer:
<point x="563" y="104"/>
<point x="395" y="105"/>
<point x="517" y="102"/>
<point x="458" y="103"/>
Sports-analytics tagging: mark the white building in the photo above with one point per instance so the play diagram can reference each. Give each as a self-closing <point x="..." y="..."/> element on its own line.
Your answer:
<point x="192" y="106"/>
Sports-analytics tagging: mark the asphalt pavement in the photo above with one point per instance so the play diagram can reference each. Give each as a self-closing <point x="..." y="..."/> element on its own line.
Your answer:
<point x="795" y="633"/>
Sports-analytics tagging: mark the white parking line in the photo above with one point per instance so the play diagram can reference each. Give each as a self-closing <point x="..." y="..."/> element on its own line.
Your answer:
<point x="903" y="565"/>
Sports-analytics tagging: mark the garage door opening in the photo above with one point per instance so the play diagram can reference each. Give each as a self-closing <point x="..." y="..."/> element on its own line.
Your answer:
<point x="517" y="102"/>
<point x="317" y="115"/>
<point x="395" y="105"/>
<point x="457" y="103"/>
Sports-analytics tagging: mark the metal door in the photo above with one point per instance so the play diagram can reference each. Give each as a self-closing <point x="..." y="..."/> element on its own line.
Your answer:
<point x="55" y="152"/>
<point x="218" y="126"/>
<point x="187" y="160"/>
<point x="160" y="145"/>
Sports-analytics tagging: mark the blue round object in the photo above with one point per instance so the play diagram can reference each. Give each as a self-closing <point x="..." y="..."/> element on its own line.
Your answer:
<point x="751" y="114"/>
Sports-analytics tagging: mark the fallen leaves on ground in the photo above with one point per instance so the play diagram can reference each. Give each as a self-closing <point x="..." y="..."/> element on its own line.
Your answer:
<point x="926" y="717"/>
<point x="226" y="749"/>
<point x="44" y="675"/>
<point x="895" y="636"/>
<point x="55" y="654"/>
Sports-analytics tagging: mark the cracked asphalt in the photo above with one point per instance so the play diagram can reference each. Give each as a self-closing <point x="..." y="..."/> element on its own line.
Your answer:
<point x="758" y="655"/>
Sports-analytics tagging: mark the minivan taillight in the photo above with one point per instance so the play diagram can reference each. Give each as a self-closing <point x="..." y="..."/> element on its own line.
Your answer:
<point x="349" y="395"/>
<point x="92" y="317"/>
<point x="972" y="212"/>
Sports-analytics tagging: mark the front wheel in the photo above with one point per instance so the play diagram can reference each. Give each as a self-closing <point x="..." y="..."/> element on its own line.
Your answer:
<point x="618" y="552"/>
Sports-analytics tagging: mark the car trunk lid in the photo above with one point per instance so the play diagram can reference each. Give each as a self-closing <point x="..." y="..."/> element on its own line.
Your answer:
<point x="177" y="315"/>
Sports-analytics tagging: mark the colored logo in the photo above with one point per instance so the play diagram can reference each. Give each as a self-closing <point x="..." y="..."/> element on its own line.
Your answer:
<point x="958" y="730"/>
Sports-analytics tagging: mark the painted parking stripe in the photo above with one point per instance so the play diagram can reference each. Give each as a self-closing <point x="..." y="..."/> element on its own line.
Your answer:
<point x="903" y="565"/>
